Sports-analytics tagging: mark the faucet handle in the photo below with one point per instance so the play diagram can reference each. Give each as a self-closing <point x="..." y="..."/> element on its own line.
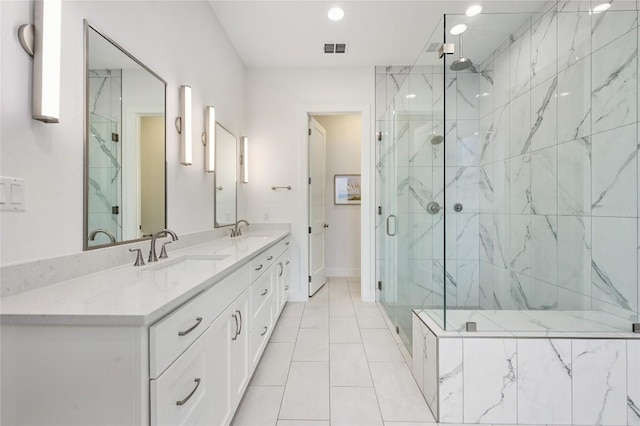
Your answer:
<point x="163" y="251"/>
<point x="139" y="259"/>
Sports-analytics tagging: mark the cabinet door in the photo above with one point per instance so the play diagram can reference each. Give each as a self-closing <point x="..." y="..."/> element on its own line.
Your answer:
<point x="222" y="331"/>
<point x="240" y="355"/>
<point x="182" y="394"/>
<point x="286" y="263"/>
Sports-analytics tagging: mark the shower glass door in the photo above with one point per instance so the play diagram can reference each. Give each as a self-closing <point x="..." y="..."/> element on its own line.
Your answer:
<point x="410" y="167"/>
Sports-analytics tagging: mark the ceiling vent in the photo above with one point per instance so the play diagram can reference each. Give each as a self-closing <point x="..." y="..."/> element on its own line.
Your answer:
<point x="335" y="48"/>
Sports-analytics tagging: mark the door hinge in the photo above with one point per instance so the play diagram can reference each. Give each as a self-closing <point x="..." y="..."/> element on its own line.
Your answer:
<point x="309" y="278"/>
<point x="379" y="285"/>
<point x="115" y="209"/>
<point x="309" y="181"/>
<point x="379" y="210"/>
<point x="309" y="229"/>
<point x="379" y="136"/>
<point x="115" y="137"/>
<point x="309" y="132"/>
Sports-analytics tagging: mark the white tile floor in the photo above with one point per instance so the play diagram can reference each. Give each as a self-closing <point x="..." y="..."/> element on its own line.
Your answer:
<point x="333" y="361"/>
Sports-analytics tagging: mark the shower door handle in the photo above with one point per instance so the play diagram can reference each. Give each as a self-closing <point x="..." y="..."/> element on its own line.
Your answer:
<point x="394" y="225"/>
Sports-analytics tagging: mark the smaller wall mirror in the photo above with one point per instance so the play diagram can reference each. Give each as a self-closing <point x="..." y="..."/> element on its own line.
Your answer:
<point x="225" y="177"/>
<point x="124" y="165"/>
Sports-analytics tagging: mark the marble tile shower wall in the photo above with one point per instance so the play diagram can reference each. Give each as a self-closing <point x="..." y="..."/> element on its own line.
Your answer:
<point x="105" y="152"/>
<point x="559" y="178"/>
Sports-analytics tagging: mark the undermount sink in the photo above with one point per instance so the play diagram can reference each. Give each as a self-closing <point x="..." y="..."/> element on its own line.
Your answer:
<point x="188" y="262"/>
<point x="255" y="237"/>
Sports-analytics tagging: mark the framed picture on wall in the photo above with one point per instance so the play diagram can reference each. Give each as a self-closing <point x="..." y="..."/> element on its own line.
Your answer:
<point x="347" y="189"/>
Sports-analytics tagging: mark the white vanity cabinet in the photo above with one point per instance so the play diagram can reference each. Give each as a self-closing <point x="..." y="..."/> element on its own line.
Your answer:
<point x="190" y="367"/>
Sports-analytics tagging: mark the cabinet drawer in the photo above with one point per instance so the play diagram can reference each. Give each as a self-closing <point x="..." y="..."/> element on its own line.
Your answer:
<point x="265" y="259"/>
<point x="261" y="328"/>
<point x="170" y="336"/>
<point x="261" y="263"/>
<point x="181" y="394"/>
<point x="261" y="291"/>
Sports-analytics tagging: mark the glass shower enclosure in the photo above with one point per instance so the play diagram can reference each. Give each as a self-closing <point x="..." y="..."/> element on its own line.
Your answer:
<point x="508" y="177"/>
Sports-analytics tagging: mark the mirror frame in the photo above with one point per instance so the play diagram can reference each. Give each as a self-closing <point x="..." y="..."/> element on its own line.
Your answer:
<point x="85" y="154"/>
<point x="215" y="178"/>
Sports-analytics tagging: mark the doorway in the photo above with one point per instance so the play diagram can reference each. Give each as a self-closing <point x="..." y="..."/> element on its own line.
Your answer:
<point x="334" y="166"/>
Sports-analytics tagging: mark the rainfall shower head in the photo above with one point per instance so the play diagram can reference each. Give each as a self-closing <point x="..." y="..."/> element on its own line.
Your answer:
<point x="461" y="63"/>
<point x="436" y="139"/>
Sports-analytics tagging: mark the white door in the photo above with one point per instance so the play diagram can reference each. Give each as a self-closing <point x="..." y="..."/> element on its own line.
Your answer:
<point x="317" y="169"/>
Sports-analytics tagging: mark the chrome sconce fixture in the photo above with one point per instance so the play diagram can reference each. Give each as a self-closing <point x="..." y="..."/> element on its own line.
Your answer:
<point x="42" y="41"/>
<point x="183" y="126"/>
<point x="208" y="138"/>
<point x="244" y="158"/>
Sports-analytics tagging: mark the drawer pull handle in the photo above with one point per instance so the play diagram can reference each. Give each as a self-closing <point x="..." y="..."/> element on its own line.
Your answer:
<point x="184" y="401"/>
<point x="286" y="287"/>
<point x="281" y="269"/>
<point x="286" y="263"/>
<point x="240" y="315"/>
<point x="264" y="331"/>
<point x="259" y="267"/>
<point x="235" y="317"/>
<point x="287" y="243"/>
<point x="264" y="292"/>
<point x="184" y="333"/>
<point x="270" y="258"/>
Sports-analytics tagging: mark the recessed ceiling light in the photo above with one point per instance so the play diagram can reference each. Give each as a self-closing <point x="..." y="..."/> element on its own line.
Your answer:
<point x="474" y="10"/>
<point x="458" y="29"/>
<point x="601" y="7"/>
<point x="336" y="14"/>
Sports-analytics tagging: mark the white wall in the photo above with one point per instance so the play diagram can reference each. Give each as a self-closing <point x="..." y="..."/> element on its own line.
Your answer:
<point x="276" y="103"/>
<point x="342" y="238"/>
<point x="182" y="42"/>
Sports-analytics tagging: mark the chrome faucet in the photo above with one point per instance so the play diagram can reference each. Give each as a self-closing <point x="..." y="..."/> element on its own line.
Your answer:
<point x="92" y="235"/>
<point x="236" y="231"/>
<point x="152" y="252"/>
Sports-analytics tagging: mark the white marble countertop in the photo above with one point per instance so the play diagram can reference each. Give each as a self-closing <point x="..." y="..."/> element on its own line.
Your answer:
<point x="128" y="295"/>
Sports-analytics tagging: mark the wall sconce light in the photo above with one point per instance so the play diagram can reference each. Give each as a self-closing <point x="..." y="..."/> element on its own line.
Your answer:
<point x="41" y="40"/>
<point x="208" y="138"/>
<point x="244" y="158"/>
<point x="183" y="126"/>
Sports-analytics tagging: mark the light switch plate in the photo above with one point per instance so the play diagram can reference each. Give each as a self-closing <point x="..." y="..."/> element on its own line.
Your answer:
<point x="14" y="194"/>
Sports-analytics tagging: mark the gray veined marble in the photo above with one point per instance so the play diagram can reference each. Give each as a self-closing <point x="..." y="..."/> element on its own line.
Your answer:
<point x="614" y="268"/>
<point x="544" y="381"/>
<point x="614" y="173"/>
<point x="574" y="254"/>
<point x="574" y="101"/>
<point x="544" y="36"/>
<point x="574" y="34"/>
<point x="614" y="84"/>
<point x="599" y="382"/>
<point x="490" y="381"/>
<point x="544" y="178"/>
<point x="521" y="64"/>
<point x="543" y="124"/>
<point x="520" y="125"/>
<point x="520" y="179"/>
<point x="520" y="292"/>
<point x="574" y="177"/>
<point x="520" y="243"/>
<point x="544" y="253"/>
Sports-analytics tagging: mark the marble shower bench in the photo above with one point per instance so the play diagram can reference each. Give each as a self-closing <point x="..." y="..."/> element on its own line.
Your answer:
<point x="530" y="377"/>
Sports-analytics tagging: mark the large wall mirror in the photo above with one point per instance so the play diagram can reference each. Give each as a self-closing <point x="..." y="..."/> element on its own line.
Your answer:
<point x="124" y="164"/>
<point x="225" y="177"/>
